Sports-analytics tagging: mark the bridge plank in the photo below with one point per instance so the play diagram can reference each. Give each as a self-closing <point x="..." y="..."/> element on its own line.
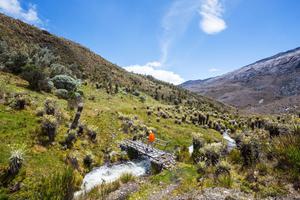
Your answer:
<point x="166" y="160"/>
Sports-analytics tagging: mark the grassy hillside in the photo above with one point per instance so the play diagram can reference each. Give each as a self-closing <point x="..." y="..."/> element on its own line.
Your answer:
<point x="44" y="162"/>
<point x="44" y="79"/>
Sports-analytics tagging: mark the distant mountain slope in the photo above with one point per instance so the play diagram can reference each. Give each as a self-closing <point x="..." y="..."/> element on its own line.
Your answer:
<point x="22" y="37"/>
<point x="270" y="85"/>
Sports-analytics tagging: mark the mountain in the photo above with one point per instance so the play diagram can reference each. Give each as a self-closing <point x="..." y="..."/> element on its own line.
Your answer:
<point x="270" y="85"/>
<point x="85" y="64"/>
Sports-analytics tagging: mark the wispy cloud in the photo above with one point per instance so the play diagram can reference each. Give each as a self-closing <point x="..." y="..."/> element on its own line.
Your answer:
<point x="151" y="68"/>
<point x="213" y="70"/>
<point x="175" y="22"/>
<point x="13" y="8"/>
<point x="212" y="21"/>
<point x="179" y="15"/>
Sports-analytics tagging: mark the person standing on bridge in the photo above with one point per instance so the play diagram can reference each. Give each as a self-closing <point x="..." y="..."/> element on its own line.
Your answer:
<point x="151" y="139"/>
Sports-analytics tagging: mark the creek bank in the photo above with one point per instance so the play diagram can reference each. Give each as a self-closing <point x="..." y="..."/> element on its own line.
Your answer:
<point x="108" y="174"/>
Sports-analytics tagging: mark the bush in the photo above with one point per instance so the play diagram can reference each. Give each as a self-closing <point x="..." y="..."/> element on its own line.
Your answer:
<point x="64" y="82"/>
<point x="235" y="156"/>
<point x="62" y="93"/>
<point x="18" y="103"/>
<point x="58" y="69"/>
<point x="92" y="132"/>
<point x="42" y="57"/>
<point x="183" y="154"/>
<point x="58" y="185"/>
<point x="223" y="167"/>
<point x="50" y="106"/>
<point x="250" y="152"/>
<point x="88" y="161"/>
<point x="16" y="161"/>
<point x="211" y="153"/>
<point x="36" y="78"/>
<point x="70" y="138"/>
<point x="16" y="63"/>
<point x="49" y="127"/>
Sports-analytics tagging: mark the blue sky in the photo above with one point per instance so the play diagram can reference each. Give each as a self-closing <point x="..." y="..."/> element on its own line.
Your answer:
<point x="174" y="40"/>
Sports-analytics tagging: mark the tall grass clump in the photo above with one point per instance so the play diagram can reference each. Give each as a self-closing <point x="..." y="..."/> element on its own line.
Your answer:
<point x="59" y="186"/>
<point x="287" y="149"/>
<point x="127" y="177"/>
<point x="103" y="190"/>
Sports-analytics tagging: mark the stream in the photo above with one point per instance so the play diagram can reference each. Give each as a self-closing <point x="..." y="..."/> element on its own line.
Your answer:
<point x="108" y="174"/>
<point x="139" y="167"/>
<point x="231" y="144"/>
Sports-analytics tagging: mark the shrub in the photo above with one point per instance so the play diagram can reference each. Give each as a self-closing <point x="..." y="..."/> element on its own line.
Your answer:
<point x="92" y="132"/>
<point x="40" y="111"/>
<point x="64" y="82"/>
<point x="201" y="167"/>
<point x="36" y="78"/>
<point x="50" y="106"/>
<point x="211" y="153"/>
<point x="16" y="161"/>
<point x="62" y="93"/>
<point x="142" y="99"/>
<point x="250" y="152"/>
<point x="70" y="138"/>
<point x="58" y="69"/>
<point x="49" y="127"/>
<point x="58" y="185"/>
<point x="183" y="154"/>
<point x="235" y="156"/>
<point x="223" y="167"/>
<point x="88" y="161"/>
<point x="18" y="103"/>
<point x="16" y="62"/>
<point x="42" y="57"/>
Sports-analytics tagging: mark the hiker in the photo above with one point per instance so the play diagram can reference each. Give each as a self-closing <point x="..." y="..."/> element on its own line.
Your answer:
<point x="151" y="139"/>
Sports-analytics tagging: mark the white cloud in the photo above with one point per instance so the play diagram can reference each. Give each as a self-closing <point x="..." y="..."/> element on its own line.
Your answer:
<point x="150" y="69"/>
<point x="213" y="70"/>
<point x="14" y="9"/>
<point x="211" y="12"/>
<point x="180" y="14"/>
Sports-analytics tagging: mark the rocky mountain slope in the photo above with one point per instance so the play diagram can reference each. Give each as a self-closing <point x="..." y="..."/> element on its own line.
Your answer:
<point x="270" y="85"/>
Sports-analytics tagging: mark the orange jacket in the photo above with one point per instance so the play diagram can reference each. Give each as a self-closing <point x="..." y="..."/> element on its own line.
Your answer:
<point x="151" y="137"/>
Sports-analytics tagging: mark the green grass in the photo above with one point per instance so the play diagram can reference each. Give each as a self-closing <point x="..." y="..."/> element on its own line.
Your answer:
<point x="21" y="128"/>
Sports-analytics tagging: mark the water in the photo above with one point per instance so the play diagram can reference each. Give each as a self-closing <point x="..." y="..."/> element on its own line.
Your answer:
<point x="107" y="174"/>
<point x="191" y="149"/>
<point x="231" y="144"/>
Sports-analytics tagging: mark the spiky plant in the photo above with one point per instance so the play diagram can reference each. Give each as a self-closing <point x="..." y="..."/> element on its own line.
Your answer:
<point x="49" y="126"/>
<point x="223" y="167"/>
<point x="16" y="161"/>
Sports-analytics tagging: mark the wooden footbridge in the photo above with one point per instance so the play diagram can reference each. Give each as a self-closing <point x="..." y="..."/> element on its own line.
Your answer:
<point x="160" y="158"/>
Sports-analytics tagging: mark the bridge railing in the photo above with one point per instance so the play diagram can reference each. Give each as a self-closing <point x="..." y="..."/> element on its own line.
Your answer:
<point x="157" y="142"/>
